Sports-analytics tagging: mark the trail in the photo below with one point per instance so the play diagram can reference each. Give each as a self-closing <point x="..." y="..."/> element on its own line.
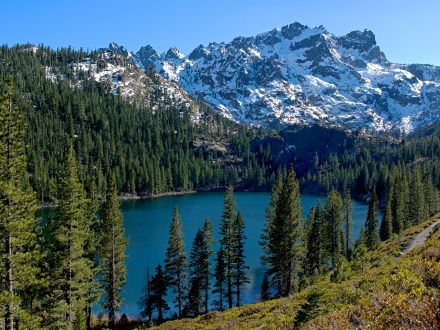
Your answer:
<point x="418" y="239"/>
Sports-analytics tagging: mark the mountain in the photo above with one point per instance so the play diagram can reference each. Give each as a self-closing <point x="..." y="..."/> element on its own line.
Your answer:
<point x="302" y="75"/>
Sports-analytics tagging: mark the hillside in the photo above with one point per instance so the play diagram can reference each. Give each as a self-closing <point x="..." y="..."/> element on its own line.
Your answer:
<point x="157" y="137"/>
<point x="381" y="292"/>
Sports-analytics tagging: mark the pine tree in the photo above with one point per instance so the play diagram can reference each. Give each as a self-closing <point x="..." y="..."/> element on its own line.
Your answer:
<point x="69" y="231"/>
<point x="158" y="287"/>
<point x="220" y="279"/>
<point x="371" y="224"/>
<point x="227" y="230"/>
<point x="396" y="208"/>
<point x="175" y="263"/>
<point x="19" y="251"/>
<point x="112" y="251"/>
<point x="316" y="258"/>
<point x="145" y="302"/>
<point x="333" y="217"/>
<point x="360" y="258"/>
<point x="265" y="288"/>
<point x="288" y="229"/>
<point x="312" y="307"/>
<point x="196" y="275"/>
<point x="91" y="251"/>
<point x="347" y="221"/>
<point x="269" y="239"/>
<point x="386" y="229"/>
<point x="418" y="211"/>
<point x="206" y="253"/>
<point x="240" y="267"/>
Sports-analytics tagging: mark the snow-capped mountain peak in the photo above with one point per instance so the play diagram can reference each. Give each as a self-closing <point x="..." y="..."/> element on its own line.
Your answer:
<point x="301" y="75"/>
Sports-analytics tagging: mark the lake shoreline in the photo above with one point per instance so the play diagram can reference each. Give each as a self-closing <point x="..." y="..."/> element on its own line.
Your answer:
<point x="127" y="196"/>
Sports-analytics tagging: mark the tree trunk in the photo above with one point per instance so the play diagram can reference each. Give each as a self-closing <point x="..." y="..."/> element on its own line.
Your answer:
<point x="206" y="292"/>
<point x="9" y="317"/>
<point x="111" y="298"/>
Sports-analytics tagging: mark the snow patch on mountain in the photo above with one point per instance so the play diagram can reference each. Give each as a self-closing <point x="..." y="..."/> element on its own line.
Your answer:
<point x="302" y="75"/>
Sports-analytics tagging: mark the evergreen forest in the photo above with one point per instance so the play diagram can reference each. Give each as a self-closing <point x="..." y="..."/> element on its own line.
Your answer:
<point x="72" y="141"/>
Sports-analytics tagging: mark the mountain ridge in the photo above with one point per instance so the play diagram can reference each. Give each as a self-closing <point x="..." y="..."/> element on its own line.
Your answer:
<point x="302" y="75"/>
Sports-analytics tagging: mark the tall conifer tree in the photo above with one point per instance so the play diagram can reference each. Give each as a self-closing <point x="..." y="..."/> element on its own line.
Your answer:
<point x="288" y="221"/>
<point x="228" y="232"/>
<point x="418" y="210"/>
<point x="220" y="279"/>
<point x="206" y="253"/>
<point x="92" y="245"/>
<point x="175" y="263"/>
<point x="347" y="221"/>
<point x="240" y="267"/>
<point x="69" y="231"/>
<point x="333" y="216"/>
<point x="158" y="287"/>
<point x="316" y="258"/>
<point x="112" y="251"/>
<point x="19" y="252"/>
<point x="371" y="224"/>
<point x="198" y="269"/>
<point x="386" y="229"/>
<point x="269" y="239"/>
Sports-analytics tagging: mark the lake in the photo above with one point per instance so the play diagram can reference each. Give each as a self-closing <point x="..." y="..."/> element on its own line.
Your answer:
<point x="147" y="224"/>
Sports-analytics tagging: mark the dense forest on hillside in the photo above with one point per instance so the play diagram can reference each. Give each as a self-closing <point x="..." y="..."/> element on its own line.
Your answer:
<point x="148" y="145"/>
<point x="86" y="144"/>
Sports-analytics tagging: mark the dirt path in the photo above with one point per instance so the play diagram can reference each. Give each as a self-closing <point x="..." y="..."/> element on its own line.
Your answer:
<point x="419" y="238"/>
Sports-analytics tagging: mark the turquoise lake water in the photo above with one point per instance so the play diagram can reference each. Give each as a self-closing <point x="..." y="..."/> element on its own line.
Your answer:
<point x="147" y="224"/>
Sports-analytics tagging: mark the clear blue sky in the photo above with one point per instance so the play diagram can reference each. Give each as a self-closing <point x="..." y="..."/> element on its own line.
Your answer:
<point x="407" y="31"/>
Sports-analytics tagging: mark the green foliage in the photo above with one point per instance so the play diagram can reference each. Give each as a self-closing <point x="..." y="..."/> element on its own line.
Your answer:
<point x="220" y="279"/>
<point x="147" y="144"/>
<point x="313" y="306"/>
<point x="270" y="233"/>
<point x="71" y="273"/>
<point x="347" y="221"/>
<point x="342" y="271"/>
<point x="240" y="277"/>
<point x="386" y="226"/>
<point x="228" y="232"/>
<point x="282" y="235"/>
<point x="200" y="270"/>
<point x="333" y="213"/>
<point x="371" y="224"/>
<point x="265" y="288"/>
<point x="316" y="257"/>
<point x="175" y="262"/>
<point x="206" y="253"/>
<point x="361" y="259"/>
<point x="19" y="249"/>
<point x="112" y="251"/>
<point x="158" y="287"/>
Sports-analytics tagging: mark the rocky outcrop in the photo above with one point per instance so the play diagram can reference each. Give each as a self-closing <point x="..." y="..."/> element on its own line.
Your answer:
<point x="300" y="145"/>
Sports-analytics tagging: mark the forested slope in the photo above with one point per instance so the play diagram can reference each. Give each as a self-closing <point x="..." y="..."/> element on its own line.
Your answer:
<point x="156" y="143"/>
<point x="376" y="291"/>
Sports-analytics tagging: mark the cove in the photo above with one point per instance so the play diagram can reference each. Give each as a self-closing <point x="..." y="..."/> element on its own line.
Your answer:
<point x="147" y="224"/>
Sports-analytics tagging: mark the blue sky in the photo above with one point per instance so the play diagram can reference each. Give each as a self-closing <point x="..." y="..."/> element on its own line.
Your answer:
<point x="407" y="31"/>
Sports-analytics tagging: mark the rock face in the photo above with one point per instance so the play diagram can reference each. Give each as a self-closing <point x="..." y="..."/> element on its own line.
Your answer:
<point x="300" y="145"/>
<point x="301" y="75"/>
